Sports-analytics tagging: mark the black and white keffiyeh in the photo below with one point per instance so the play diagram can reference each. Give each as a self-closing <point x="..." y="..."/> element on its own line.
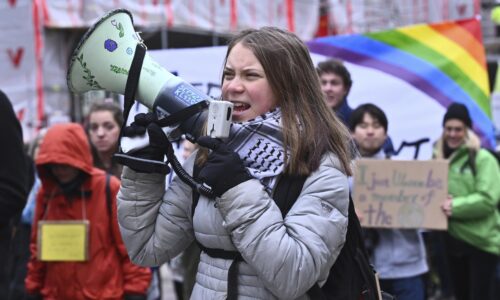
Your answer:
<point x="259" y="143"/>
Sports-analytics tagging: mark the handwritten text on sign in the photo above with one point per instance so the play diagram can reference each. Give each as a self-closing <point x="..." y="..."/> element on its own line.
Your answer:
<point x="63" y="240"/>
<point x="401" y="194"/>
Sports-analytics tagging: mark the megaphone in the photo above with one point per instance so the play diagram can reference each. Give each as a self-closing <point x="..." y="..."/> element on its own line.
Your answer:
<point x="102" y="61"/>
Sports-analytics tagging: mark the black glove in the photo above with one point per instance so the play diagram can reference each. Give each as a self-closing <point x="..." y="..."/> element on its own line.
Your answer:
<point x="149" y="159"/>
<point x="135" y="297"/>
<point x="224" y="168"/>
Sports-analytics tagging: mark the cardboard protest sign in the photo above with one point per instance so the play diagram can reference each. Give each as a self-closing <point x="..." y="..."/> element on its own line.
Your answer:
<point x="401" y="194"/>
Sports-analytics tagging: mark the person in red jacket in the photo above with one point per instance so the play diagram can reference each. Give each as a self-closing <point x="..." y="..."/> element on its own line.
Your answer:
<point x="73" y="190"/>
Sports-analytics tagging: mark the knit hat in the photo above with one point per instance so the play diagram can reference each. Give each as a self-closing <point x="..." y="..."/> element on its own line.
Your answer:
<point x="460" y="112"/>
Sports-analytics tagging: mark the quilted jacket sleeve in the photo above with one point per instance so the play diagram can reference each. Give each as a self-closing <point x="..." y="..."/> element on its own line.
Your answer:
<point x="136" y="279"/>
<point x="155" y="225"/>
<point x="293" y="253"/>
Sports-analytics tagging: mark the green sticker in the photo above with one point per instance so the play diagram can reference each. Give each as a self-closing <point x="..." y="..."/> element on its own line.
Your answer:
<point x="118" y="70"/>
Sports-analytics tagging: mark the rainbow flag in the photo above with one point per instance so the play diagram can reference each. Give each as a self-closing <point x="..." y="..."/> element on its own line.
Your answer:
<point x="445" y="61"/>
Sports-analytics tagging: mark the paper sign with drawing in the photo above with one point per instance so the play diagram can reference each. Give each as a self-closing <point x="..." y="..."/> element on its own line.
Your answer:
<point x="401" y="194"/>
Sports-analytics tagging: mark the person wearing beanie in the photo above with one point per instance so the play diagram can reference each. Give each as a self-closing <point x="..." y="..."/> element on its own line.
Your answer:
<point x="460" y="112"/>
<point x="472" y="242"/>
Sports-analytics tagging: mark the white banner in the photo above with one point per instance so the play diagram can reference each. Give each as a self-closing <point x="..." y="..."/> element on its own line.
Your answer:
<point x="20" y="58"/>
<point x="202" y="67"/>
<point x="223" y="16"/>
<point x="360" y="16"/>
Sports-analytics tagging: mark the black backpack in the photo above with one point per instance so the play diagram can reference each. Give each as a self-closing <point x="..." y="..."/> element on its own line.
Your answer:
<point x="351" y="277"/>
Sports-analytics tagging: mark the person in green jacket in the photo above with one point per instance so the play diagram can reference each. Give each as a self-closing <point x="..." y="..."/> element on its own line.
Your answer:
<point x="473" y="238"/>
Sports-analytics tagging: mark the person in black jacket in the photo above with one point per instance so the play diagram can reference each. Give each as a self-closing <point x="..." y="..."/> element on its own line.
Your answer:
<point x="13" y="179"/>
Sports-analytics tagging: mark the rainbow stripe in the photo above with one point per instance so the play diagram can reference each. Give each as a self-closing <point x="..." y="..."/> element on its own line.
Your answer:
<point x="446" y="61"/>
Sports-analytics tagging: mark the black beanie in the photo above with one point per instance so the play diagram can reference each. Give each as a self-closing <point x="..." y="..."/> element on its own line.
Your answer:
<point x="458" y="111"/>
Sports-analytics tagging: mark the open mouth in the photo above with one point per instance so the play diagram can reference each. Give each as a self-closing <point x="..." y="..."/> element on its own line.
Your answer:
<point x="240" y="106"/>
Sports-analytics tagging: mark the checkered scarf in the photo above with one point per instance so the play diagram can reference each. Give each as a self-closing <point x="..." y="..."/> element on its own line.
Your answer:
<point x="259" y="143"/>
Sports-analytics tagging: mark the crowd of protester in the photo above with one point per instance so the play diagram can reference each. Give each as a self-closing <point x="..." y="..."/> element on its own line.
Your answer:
<point x="67" y="174"/>
<point x="464" y="260"/>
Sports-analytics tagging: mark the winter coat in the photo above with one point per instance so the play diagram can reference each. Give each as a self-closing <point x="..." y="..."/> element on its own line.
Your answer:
<point x="108" y="274"/>
<point x="475" y="218"/>
<point x="14" y="182"/>
<point x="14" y="170"/>
<point x="344" y="111"/>
<point x="283" y="257"/>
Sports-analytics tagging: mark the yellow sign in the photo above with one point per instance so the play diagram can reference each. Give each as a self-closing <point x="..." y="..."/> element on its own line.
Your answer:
<point x="401" y="194"/>
<point x="63" y="240"/>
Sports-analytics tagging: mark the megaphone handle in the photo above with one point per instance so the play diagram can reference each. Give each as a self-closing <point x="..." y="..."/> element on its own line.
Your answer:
<point x="201" y="188"/>
<point x="183" y="114"/>
<point x="133" y="80"/>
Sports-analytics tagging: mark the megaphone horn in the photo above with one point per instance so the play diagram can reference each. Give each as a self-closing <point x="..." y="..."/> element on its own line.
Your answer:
<point x="102" y="61"/>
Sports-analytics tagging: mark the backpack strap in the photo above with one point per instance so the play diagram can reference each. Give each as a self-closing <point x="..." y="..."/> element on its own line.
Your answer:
<point x="109" y="203"/>
<point x="470" y="162"/>
<point x="235" y="256"/>
<point x="232" y="275"/>
<point x="361" y="255"/>
<point x="108" y="194"/>
<point x="353" y="258"/>
<point x="287" y="191"/>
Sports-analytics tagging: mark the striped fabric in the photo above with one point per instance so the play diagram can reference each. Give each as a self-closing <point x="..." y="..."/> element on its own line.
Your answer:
<point x="446" y="61"/>
<point x="259" y="143"/>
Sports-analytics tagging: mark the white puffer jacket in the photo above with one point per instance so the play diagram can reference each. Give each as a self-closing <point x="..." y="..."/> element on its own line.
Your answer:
<point x="283" y="257"/>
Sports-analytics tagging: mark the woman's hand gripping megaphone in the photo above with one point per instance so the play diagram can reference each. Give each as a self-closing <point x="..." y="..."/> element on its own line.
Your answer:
<point x="150" y="158"/>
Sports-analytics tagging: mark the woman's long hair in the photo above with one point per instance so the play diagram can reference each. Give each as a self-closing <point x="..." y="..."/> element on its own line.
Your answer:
<point x="310" y="129"/>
